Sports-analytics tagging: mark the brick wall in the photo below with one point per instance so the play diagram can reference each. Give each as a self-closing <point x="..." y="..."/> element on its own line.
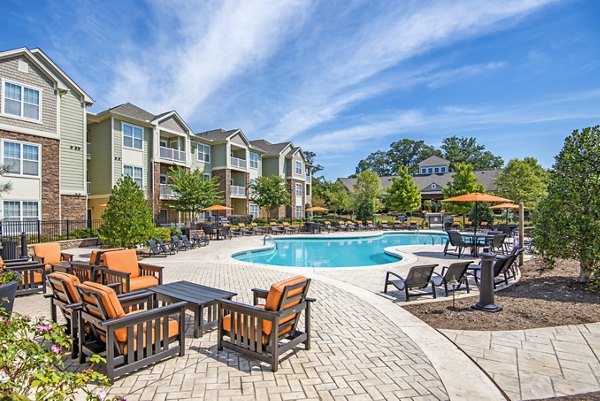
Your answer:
<point x="155" y="193"/>
<point x="224" y="180"/>
<point x="73" y="207"/>
<point x="50" y="179"/>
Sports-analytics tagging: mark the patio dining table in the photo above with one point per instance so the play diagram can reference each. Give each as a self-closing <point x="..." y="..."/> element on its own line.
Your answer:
<point x="476" y="240"/>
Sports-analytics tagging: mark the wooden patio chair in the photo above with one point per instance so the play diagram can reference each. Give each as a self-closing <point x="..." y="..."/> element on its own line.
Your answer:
<point x="64" y="297"/>
<point x="87" y="271"/>
<point x="266" y="331"/>
<point x="458" y="242"/>
<point x="417" y="277"/>
<point x="123" y="267"/>
<point x="129" y="331"/>
<point x="456" y="271"/>
<point x="33" y="274"/>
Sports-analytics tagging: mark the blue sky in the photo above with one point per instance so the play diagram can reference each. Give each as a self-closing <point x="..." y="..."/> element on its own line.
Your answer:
<point x="340" y="78"/>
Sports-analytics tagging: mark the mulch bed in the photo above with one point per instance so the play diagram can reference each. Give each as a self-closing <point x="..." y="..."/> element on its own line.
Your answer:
<point x="543" y="298"/>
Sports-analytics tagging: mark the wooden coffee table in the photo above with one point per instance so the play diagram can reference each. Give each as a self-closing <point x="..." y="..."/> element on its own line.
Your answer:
<point x="199" y="298"/>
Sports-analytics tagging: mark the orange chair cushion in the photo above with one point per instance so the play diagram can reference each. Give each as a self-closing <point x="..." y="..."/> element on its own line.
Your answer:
<point x="50" y="251"/>
<point x="267" y="326"/>
<point x="108" y="297"/>
<point x="276" y="293"/>
<point x="173" y="331"/>
<point x="1" y="262"/>
<point x="69" y="281"/>
<point x="124" y="261"/>
<point x="142" y="282"/>
<point x="241" y="225"/>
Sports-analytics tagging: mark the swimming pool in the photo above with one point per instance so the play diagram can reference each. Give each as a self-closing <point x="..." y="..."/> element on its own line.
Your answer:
<point x="336" y="252"/>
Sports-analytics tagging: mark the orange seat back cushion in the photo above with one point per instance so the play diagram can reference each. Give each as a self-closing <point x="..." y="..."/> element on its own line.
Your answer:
<point x="124" y="261"/>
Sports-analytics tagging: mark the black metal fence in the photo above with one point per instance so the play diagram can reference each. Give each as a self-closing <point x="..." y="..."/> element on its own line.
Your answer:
<point x="37" y="231"/>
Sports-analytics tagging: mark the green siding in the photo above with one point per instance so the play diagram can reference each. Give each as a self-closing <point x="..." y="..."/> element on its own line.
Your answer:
<point x="173" y="125"/>
<point x="72" y="138"/>
<point x="118" y="150"/>
<point x="198" y="165"/>
<point x="270" y="166"/>
<point x="100" y="158"/>
<point x="218" y="155"/>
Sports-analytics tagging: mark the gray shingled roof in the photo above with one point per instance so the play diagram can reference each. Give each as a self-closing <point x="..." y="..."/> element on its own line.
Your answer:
<point x="131" y="110"/>
<point x="484" y="177"/>
<point x="216" y="135"/>
<point x="434" y="161"/>
<point x="270" y="149"/>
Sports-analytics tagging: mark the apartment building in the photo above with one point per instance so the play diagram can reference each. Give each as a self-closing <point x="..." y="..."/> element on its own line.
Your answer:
<point x="287" y="161"/>
<point x="128" y="140"/>
<point x="42" y="138"/>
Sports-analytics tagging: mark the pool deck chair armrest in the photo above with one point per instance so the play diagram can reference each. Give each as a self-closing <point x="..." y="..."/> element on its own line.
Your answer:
<point x="418" y="277"/>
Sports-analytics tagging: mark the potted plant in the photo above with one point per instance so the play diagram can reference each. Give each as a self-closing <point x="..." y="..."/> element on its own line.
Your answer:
<point x="9" y="279"/>
<point x="32" y="364"/>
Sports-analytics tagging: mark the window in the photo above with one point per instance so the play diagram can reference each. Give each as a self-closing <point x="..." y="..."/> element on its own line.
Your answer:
<point x="430" y="170"/>
<point x="203" y="153"/>
<point x="21" y="158"/>
<point x="133" y="136"/>
<point x="423" y="171"/>
<point x="136" y="173"/>
<point x="298" y="189"/>
<point x="254" y="159"/>
<point x="21" y="210"/>
<point x="443" y="169"/>
<point x="21" y="101"/>
<point x="437" y="169"/>
<point x="433" y="186"/>
<point x="206" y="176"/>
<point x="298" y="212"/>
<point x="163" y="179"/>
<point x="298" y="167"/>
<point x="254" y="210"/>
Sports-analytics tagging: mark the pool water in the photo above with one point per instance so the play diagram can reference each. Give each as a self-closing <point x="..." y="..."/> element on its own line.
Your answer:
<point x="336" y="252"/>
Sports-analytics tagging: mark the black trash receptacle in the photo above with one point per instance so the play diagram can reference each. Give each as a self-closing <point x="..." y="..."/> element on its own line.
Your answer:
<point x="10" y="248"/>
<point x="186" y="231"/>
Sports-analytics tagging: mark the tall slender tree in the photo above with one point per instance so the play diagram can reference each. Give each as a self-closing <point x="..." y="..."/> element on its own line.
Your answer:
<point x="403" y="195"/>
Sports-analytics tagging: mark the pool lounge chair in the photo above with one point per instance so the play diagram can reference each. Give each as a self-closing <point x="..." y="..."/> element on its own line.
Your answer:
<point x="458" y="242"/>
<point x="186" y="242"/>
<point x="413" y="226"/>
<point x="154" y="249"/>
<point x="385" y="225"/>
<point x="289" y="229"/>
<point x="360" y="225"/>
<point x="244" y="230"/>
<point x="200" y="241"/>
<point x="276" y="230"/>
<point x="418" y="277"/>
<point x="270" y="328"/>
<point x="258" y="230"/>
<point x="349" y="226"/>
<point x="502" y="268"/>
<point x="398" y="225"/>
<point x="456" y="271"/>
<point x="164" y="247"/>
<point x="370" y="225"/>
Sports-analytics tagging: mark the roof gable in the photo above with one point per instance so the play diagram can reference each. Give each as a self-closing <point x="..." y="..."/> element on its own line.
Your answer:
<point x="23" y="51"/>
<point x="434" y="161"/>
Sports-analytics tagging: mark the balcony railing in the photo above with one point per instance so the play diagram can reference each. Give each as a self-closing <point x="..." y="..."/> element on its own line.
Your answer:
<point x="166" y="192"/>
<point x="172" y="154"/>
<point x="238" y="191"/>
<point x="238" y="163"/>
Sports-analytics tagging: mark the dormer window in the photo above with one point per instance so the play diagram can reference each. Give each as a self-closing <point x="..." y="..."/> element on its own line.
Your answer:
<point x="423" y="171"/>
<point x="443" y="169"/>
<point x="430" y="170"/>
<point x="437" y="169"/>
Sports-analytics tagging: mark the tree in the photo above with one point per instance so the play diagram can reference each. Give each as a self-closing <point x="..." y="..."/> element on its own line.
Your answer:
<point x="127" y="217"/>
<point x="365" y="194"/>
<point x="463" y="182"/>
<point x="269" y="192"/>
<point x="378" y="162"/>
<point x="194" y="192"/>
<point x="568" y="220"/>
<point x="333" y="194"/>
<point x="409" y="153"/>
<point x="466" y="150"/>
<point x="310" y="158"/>
<point x="403" y="195"/>
<point x="522" y="181"/>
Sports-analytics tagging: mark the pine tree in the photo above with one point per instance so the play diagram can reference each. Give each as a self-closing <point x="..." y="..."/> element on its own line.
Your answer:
<point x="127" y="217"/>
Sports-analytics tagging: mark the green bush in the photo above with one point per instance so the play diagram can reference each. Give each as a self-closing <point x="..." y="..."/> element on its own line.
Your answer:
<point x="162" y="232"/>
<point x="174" y="231"/>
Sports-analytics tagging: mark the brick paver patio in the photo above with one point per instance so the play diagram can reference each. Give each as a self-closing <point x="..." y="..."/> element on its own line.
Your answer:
<point x="364" y="346"/>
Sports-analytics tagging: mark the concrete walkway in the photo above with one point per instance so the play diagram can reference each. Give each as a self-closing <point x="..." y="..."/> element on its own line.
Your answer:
<point x="365" y="346"/>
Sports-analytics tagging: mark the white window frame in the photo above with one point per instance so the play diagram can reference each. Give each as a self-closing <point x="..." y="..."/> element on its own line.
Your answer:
<point x="206" y="176"/>
<point x="133" y="172"/>
<point x="437" y="169"/>
<point x="433" y="186"/>
<point x="255" y="213"/>
<point x="423" y="171"/>
<point x="21" y="117"/>
<point x="21" y="201"/>
<point x="430" y="170"/>
<point x="298" y="167"/>
<point x="298" y="186"/>
<point x="133" y="127"/>
<point x="254" y="163"/>
<point x="198" y="153"/>
<point x="443" y="169"/>
<point x="21" y="143"/>
<point x="298" y="212"/>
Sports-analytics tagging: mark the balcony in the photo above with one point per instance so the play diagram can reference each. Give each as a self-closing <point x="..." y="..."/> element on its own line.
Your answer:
<point x="238" y="192"/>
<point x="166" y="192"/>
<point x="172" y="154"/>
<point x="238" y="163"/>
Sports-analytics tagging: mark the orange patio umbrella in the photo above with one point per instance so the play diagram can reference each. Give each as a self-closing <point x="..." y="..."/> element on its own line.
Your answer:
<point x="506" y="206"/>
<point x="476" y="197"/>
<point x="317" y="209"/>
<point x="217" y="208"/>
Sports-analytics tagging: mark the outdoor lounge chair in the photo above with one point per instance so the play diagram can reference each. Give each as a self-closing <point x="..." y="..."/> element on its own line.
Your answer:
<point x="349" y="226"/>
<point x="385" y="225"/>
<point x="156" y="251"/>
<point x="123" y="267"/>
<point x="417" y="277"/>
<point x="244" y="230"/>
<point x="164" y="247"/>
<point x="370" y="225"/>
<point x="456" y="271"/>
<point x="502" y="268"/>
<point x="360" y="225"/>
<point x="186" y="242"/>
<point x="413" y="226"/>
<point x="458" y="242"/>
<point x="64" y="296"/>
<point x="289" y="229"/>
<point x="398" y="225"/>
<point x="200" y="241"/>
<point x="276" y="230"/>
<point x="266" y="331"/>
<point x="329" y="227"/>
<point x="496" y="243"/>
<point x="48" y="253"/>
<point x="128" y="340"/>
<point x="177" y="245"/>
<point x="258" y="230"/>
<point x="33" y="275"/>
